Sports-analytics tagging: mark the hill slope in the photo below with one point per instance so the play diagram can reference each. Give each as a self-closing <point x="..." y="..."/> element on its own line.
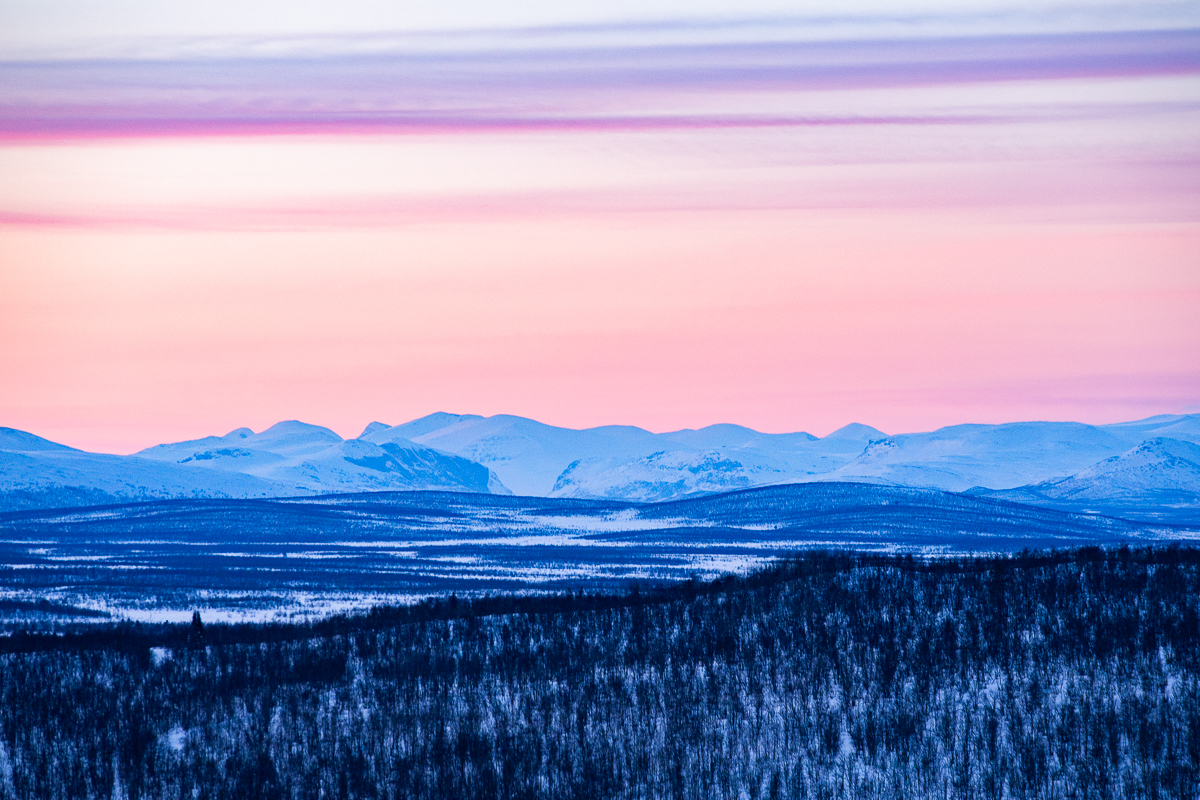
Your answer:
<point x="505" y="453"/>
<point x="37" y="473"/>
<point x="1159" y="477"/>
<point x="302" y="459"/>
<point x="1075" y="674"/>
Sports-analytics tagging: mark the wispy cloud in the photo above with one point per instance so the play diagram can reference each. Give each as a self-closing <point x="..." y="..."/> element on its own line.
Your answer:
<point x="603" y="88"/>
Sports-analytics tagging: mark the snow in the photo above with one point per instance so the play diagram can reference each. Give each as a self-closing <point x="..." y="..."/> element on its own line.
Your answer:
<point x="175" y="738"/>
<point x="627" y="520"/>
<point x="507" y="454"/>
<point x="15" y="441"/>
<point x="290" y="458"/>
<point x="1160" y="474"/>
<point x="960" y="457"/>
<point x="856" y="432"/>
<point x="122" y="477"/>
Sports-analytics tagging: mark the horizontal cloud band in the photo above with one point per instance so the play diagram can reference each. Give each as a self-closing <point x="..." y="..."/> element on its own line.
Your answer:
<point x="591" y="88"/>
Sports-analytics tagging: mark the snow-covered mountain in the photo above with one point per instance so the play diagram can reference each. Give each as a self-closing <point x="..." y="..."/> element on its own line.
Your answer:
<point x="290" y="458"/>
<point x="1167" y="469"/>
<point x="625" y="462"/>
<point x="634" y="464"/>
<point x="502" y="453"/>
<point x="527" y="455"/>
<point x="38" y="473"/>
<point x="1184" y="427"/>
<point x="299" y="458"/>
<point x="1160" y="475"/>
<point x="718" y="458"/>
<point x="664" y="475"/>
<point x="997" y="456"/>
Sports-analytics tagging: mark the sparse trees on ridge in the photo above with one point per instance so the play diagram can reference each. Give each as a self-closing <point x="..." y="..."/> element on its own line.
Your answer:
<point x="1048" y="675"/>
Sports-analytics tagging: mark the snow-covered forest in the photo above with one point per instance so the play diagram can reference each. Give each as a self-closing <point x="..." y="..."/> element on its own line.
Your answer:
<point x="1067" y="674"/>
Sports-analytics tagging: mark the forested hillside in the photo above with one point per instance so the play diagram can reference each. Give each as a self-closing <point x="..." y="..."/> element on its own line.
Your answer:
<point x="1065" y="674"/>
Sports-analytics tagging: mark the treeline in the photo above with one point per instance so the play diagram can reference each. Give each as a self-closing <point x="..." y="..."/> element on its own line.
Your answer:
<point x="1067" y="674"/>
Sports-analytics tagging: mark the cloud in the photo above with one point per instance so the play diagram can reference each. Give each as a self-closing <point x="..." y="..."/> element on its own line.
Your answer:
<point x="592" y="88"/>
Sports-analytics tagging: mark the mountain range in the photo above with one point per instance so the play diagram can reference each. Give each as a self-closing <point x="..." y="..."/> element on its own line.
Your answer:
<point x="1149" y="467"/>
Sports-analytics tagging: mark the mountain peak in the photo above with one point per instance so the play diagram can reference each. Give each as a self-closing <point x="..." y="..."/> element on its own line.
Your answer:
<point x="1158" y="472"/>
<point x="1157" y="454"/>
<point x="374" y="426"/>
<point x="293" y="437"/>
<point x="293" y="426"/>
<point x="432" y="422"/>
<point x="858" y="432"/>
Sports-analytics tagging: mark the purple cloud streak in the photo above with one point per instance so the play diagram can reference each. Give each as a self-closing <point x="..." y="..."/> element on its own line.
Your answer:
<point x="562" y="88"/>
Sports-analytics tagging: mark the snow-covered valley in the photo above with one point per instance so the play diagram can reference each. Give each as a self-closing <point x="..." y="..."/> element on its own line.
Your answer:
<point x="280" y="559"/>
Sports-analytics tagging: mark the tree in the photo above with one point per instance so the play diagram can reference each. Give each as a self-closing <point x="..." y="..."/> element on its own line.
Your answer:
<point x="196" y="632"/>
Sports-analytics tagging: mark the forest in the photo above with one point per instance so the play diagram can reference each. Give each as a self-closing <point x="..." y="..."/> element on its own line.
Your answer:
<point x="1044" y="674"/>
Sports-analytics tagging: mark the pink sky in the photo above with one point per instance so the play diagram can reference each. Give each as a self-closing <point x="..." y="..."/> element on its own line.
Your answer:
<point x="785" y="235"/>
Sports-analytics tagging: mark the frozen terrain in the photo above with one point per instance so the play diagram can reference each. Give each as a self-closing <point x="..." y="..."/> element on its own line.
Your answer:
<point x="1158" y="479"/>
<point x="281" y="558"/>
<point x="506" y="454"/>
<point x="37" y="473"/>
<point x="302" y="458"/>
<point x="290" y="458"/>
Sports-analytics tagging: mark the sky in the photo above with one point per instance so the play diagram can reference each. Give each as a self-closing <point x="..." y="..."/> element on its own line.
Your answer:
<point x="666" y="214"/>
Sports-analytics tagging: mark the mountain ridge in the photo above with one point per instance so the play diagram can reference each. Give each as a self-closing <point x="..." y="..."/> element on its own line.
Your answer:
<point x="1158" y="479"/>
<point x="508" y="453"/>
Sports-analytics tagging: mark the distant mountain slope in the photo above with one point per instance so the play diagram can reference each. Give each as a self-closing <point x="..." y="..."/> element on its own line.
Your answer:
<point x="633" y="464"/>
<point x="1166" y="468"/>
<point x="37" y="473"/>
<point x="498" y="454"/>
<point x="718" y="458"/>
<point x="290" y="458"/>
<point x="15" y="441"/>
<point x="997" y="456"/>
<point x="736" y="436"/>
<point x="855" y="432"/>
<point x="301" y="459"/>
<point x="665" y="475"/>
<point x="527" y="455"/>
<point x="1183" y="427"/>
<point x="425" y="425"/>
<point x="1160" y="475"/>
<point x="615" y="461"/>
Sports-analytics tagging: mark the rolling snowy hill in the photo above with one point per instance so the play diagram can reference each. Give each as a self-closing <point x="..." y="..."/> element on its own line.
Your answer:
<point x="291" y="458"/>
<point x="528" y="456"/>
<point x="304" y="459"/>
<point x="625" y="462"/>
<point x="633" y="464"/>
<point x="37" y="473"/>
<point x="1158" y="479"/>
<point x="505" y="453"/>
<point x="997" y="456"/>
